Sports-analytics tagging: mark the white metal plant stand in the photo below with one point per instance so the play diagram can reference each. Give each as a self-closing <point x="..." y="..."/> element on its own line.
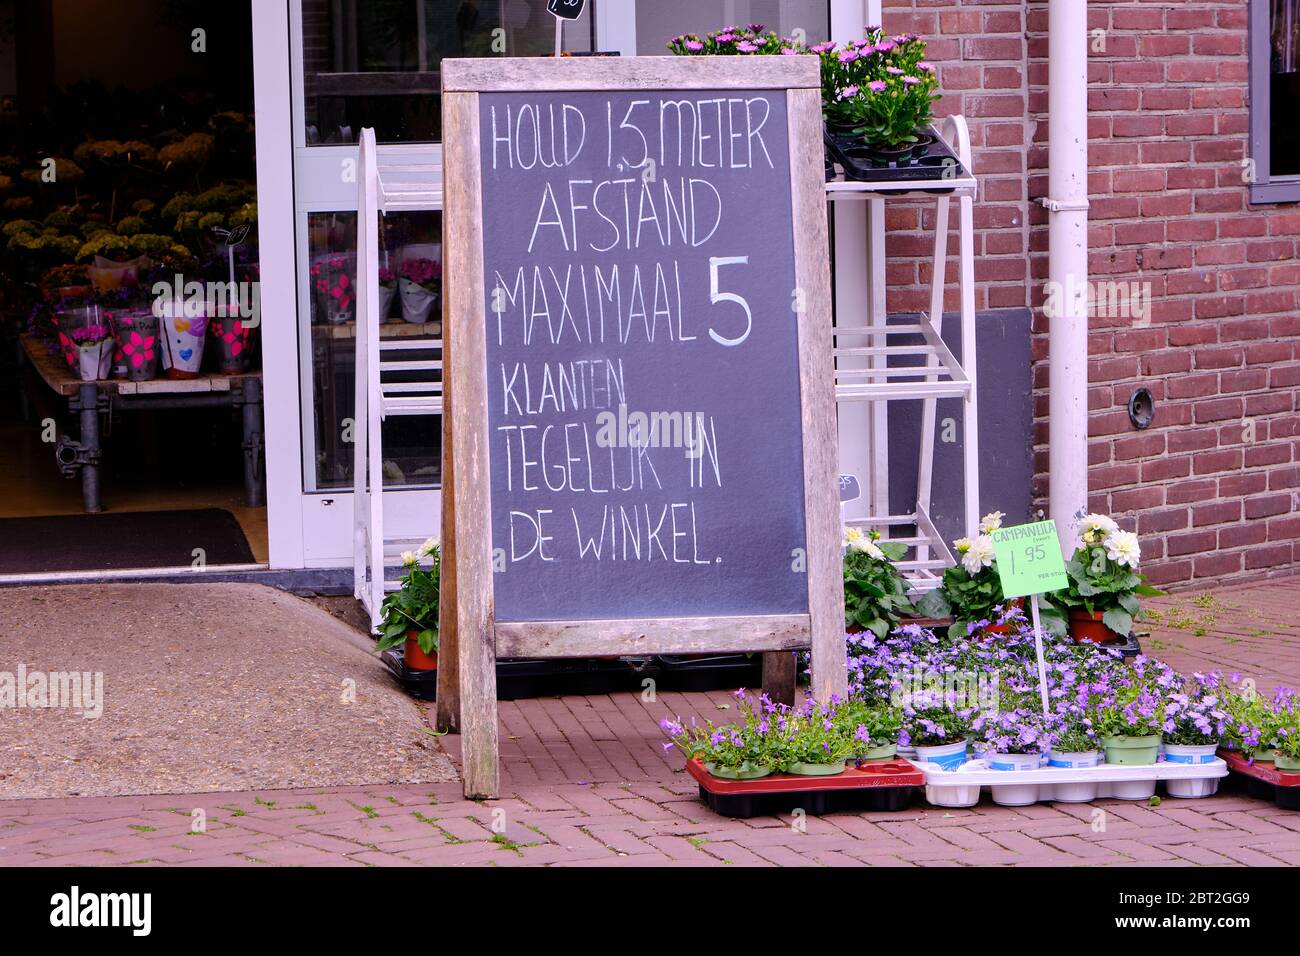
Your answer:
<point x="389" y="186"/>
<point x="862" y="354"/>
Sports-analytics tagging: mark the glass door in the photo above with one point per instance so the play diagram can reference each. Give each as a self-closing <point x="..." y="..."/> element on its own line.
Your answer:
<point x="374" y="63"/>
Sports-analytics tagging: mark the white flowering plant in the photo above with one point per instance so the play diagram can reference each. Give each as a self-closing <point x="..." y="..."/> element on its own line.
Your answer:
<point x="971" y="591"/>
<point x="414" y="606"/>
<point x="1103" y="575"/>
<point x="875" y="593"/>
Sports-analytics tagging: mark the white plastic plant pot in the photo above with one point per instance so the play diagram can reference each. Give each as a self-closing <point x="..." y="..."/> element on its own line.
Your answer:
<point x="998" y="761"/>
<point x="1132" y="789"/>
<point x="417" y="302"/>
<point x="1091" y="758"/>
<point x="946" y="756"/>
<point x="1190" y="753"/>
<point x="1074" y="792"/>
<point x="1014" y="795"/>
<point x="95" y="362"/>
<point x="953" y="796"/>
<point x="1192" y="789"/>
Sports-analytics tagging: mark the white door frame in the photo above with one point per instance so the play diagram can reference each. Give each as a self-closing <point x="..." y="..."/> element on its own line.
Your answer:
<point x="277" y="266"/>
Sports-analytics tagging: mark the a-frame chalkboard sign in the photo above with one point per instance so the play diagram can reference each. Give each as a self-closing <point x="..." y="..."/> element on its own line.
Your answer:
<point x="639" y="429"/>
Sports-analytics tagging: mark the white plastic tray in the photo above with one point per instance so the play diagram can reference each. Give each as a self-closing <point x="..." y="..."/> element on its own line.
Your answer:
<point x="1019" y="788"/>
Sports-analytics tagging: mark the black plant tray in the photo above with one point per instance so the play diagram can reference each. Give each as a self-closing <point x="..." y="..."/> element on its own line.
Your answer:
<point x="1262" y="781"/>
<point x="814" y="803"/>
<point x="1129" y="647"/>
<point x="519" y="679"/>
<point x="682" y="673"/>
<point x="935" y="161"/>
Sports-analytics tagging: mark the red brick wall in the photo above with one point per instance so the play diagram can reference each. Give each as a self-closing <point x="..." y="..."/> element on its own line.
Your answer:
<point x="1214" y="485"/>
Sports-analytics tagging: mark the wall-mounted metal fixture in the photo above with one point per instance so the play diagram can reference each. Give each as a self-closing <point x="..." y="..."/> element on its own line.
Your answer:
<point x="1141" y="408"/>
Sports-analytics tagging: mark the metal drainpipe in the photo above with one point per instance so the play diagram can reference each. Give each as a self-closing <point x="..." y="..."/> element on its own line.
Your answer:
<point x="1067" y="204"/>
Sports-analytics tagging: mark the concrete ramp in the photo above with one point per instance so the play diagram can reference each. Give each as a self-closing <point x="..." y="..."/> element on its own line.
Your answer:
<point x="184" y="688"/>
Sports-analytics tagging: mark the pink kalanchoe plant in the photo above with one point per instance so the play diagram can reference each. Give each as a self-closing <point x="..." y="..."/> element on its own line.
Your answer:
<point x="91" y="334"/>
<point x="426" y="273"/>
<point x="752" y="40"/>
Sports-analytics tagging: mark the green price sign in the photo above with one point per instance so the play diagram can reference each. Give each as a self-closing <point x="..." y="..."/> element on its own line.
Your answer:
<point x="1029" y="559"/>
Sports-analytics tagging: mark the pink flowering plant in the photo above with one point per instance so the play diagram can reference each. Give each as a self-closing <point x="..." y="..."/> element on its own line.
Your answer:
<point x="880" y="86"/>
<point x="387" y="278"/>
<point x="426" y="273"/>
<point x="754" y="39"/>
<point x="88" y="335"/>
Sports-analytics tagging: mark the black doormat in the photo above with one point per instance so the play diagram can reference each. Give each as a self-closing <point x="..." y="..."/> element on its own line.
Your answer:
<point x="121" y="540"/>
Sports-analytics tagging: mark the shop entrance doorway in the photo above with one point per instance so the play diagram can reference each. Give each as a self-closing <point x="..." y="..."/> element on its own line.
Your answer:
<point x="130" y="366"/>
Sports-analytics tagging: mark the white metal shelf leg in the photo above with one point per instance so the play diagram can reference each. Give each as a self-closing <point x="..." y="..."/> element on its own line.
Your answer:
<point x="930" y="406"/>
<point x="970" y="419"/>
<point x="878" y="317"/>
<point x="852" y="286"/>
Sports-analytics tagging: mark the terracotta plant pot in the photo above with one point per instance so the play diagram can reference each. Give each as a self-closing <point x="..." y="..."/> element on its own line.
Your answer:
<point x="1089" y="627"/>
<point x="415" y="658"/>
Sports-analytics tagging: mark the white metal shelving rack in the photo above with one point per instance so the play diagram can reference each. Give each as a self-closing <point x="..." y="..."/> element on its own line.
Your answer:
<point x="382" y="187"/>
<point x="863" y="352"/>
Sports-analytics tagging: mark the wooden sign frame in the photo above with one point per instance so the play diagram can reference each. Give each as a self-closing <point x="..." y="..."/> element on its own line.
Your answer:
<point x="471" y="639"/>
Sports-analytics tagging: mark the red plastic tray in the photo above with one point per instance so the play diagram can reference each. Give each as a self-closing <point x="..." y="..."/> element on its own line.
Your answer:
<point x="1260" y="771"/>
<point x="884" y="773"/>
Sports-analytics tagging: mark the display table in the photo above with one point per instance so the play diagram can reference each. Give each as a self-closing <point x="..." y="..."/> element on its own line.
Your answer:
<point x="87" y="400"/>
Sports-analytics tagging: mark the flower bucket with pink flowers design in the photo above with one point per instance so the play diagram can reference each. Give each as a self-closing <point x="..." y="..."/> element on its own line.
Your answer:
<point x="333" y="282"/>
<point x="70" y="316"/>
<point x="233" y="339"/>
<point x="138" y="350"/>
<point x="94" y="345"/>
